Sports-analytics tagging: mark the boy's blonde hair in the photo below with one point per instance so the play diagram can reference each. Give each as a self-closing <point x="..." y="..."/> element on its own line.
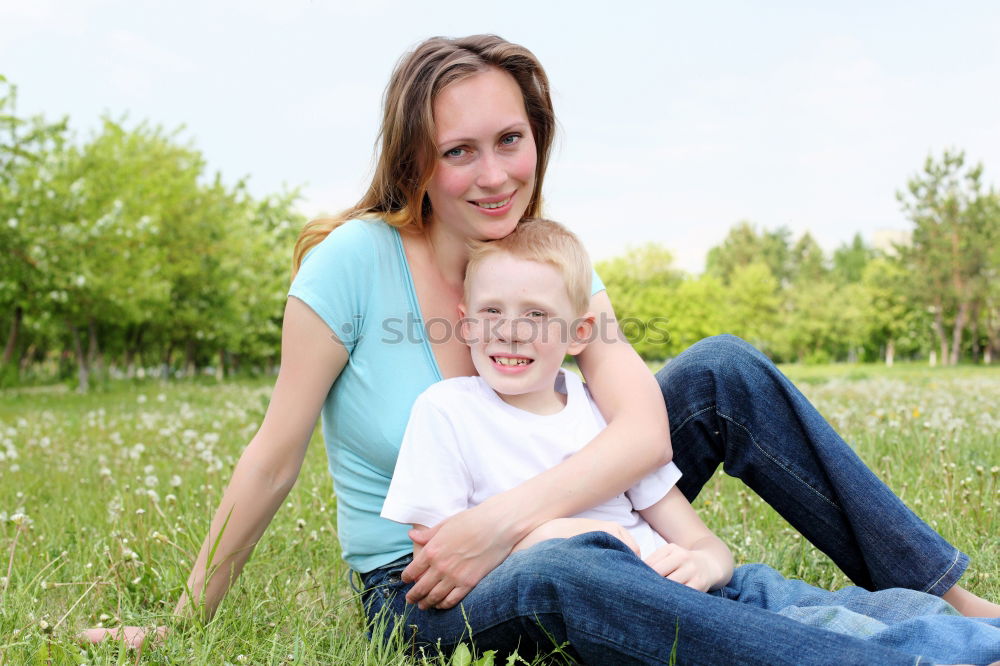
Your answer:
<point x="545" y="242"/>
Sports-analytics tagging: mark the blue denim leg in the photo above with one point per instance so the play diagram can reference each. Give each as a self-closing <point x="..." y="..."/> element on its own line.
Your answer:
<point x="897" y="618"/>
<point x="729" y="404"/>
<point x="593" y="594"/>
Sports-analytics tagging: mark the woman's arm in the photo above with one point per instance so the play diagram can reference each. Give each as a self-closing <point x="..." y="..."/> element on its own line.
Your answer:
<point x="458" y="552"/>
<point x="311" y="360"/>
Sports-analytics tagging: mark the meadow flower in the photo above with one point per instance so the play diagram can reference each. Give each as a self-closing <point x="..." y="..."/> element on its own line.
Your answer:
<point x="21" y="519"/>
<point x="175" y="481"/>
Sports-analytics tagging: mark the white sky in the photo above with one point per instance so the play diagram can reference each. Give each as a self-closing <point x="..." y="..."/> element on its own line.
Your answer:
<point x="678" y="118"/>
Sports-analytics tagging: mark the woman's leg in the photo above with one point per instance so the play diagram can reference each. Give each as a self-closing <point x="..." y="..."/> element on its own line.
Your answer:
<point x="593" y="595"/>
<point x="729" y="404"/>
<point x="897" y="618"/>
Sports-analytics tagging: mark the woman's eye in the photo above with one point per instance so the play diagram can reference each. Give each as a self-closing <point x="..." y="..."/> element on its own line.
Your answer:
<point x="455" y="152"/>
<point x="510" y="139"/>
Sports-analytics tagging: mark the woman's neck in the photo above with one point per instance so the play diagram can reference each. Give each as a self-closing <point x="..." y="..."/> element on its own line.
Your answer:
<point x="448" y="253"/>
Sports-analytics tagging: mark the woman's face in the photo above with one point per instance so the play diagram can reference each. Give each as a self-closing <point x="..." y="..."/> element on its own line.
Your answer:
<point x="484" y="169"/>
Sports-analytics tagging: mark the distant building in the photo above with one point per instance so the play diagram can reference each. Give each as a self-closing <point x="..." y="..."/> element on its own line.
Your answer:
<point x="886" y="240"/>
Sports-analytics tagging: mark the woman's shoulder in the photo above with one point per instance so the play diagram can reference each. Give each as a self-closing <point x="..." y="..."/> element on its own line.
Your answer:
<point x="356" y="234"/>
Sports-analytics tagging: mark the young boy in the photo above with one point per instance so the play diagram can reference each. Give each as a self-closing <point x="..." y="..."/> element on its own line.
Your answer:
<point x="524" y="309"/>
<point x="468" y="438"/>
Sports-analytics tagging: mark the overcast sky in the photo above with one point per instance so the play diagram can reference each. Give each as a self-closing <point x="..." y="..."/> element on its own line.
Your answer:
<point x="678" y="119"/>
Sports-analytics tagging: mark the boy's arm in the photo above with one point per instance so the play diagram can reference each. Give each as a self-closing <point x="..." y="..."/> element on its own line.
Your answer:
<point x="693" y="556"/>
<point x="564" y="528"/>
<point x="416" y="546"/>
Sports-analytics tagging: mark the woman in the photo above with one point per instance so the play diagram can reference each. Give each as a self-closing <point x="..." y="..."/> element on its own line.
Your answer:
<point x="465" y="139"/>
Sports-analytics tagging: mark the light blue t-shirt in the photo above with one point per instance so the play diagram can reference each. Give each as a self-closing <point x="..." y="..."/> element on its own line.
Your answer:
<point x="357" y="280"/>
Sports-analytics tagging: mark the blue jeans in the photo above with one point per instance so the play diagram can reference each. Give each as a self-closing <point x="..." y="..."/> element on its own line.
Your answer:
<point x="727" y="404"/>
<point x="906" y="620"/>
<point x="594" y="596"/>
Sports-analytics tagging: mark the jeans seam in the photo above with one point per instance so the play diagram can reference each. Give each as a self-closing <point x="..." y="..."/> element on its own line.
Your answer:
<point x="776" y="461"/>
<point x="954" y="561"/>
<point x="688" y="419"/>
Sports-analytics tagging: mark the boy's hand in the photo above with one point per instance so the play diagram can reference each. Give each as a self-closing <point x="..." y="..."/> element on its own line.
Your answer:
<point x="564" y="528"/>
<point x="694" y="568"/>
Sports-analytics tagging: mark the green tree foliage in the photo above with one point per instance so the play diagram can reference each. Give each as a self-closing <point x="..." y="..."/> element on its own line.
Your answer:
<point x="893" y="323"/>
<point x="744" y="245"/>
<point x="23" y="144"/>
<point x="850" y="260"/>
<point x="120" y="254"/>
<point x="641" y="284"/>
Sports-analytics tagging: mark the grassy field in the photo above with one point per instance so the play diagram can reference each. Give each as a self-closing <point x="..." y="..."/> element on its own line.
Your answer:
<point x="105" y="497"/>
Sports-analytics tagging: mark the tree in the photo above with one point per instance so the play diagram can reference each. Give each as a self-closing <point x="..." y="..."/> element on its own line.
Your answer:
<point x="948" y="254"/>
<point x="23" y="144"/>
<point x="752" y="305"/>
<point x="850" y="260"/>
<point x="807" y="263"/>
<point x="892" y="321"/>
<point x="641" y="285"/>
<point x="744" y="246"/>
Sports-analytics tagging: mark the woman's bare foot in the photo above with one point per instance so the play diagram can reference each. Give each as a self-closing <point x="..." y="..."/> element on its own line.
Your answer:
<point x="134" y="637"/>
<point x="970" y="605"/>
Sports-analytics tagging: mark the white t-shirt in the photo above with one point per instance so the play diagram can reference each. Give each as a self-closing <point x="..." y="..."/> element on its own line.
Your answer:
<point x="463" y="444"/>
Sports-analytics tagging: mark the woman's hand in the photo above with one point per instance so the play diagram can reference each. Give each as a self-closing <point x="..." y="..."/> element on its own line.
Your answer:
<point x="564" y="528"/>
<point x="694" y="568"/>
<point x="454" y="555"/>
<point x="134" y="637"/>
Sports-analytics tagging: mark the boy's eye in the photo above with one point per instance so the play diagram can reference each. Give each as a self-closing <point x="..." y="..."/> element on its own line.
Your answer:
<point x="492" y="311"/>
<point x="536" y="313"/>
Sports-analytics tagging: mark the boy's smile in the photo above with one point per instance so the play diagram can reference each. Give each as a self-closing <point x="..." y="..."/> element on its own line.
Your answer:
<point x="519" y="325"/>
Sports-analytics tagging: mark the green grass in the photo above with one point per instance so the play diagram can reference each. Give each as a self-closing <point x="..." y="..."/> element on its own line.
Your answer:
<point x="120" y="485"/>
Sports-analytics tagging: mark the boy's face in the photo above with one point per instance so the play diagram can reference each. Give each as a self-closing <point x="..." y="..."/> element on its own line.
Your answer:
<point x="519" y="325"/>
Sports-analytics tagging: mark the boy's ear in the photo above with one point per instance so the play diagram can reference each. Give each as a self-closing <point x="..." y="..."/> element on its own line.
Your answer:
<point x="463" y="324"/>
<point x="581" y="332"/>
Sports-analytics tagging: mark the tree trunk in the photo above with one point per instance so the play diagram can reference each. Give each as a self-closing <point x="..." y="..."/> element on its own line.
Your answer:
<point x="890" y="352"/>
<point x="133" y="348"/>
<point x="189" y="351"/>
<point x="15" y="327"/>
<point x="956" y="335"/>
<point x="94" y="358"/>
<point x="167" y="355"/>
<point x="939" y="332"/>
<point x="82" y="369"/>
<point x="220" y="370"/>
<point x="28" y="357"/>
